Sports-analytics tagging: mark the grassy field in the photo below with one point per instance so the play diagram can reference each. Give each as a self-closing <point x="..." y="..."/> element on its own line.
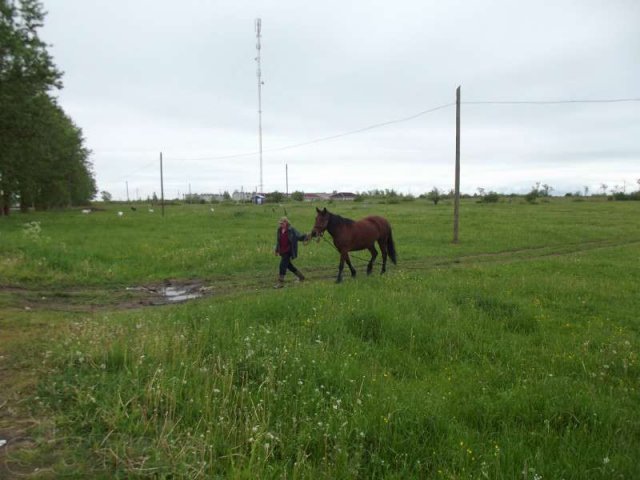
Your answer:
<point x="511" y="355"/>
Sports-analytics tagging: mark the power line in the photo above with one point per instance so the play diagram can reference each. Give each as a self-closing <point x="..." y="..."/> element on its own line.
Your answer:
<point x="411" y="117"/>
<point x="324" y="139"/>
<point x="138" y="170"/>
<point x="548" y="102"/>
<point x="364" y="129"/>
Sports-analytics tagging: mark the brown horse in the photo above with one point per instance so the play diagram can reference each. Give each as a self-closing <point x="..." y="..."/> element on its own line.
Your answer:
<point x="350" y="236"/>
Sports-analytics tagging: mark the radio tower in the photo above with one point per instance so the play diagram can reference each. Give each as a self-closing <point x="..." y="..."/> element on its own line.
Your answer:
<point x="259" y="72"/>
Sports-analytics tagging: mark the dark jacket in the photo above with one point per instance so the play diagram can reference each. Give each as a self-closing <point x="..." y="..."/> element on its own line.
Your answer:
<point x="294" y="236"/>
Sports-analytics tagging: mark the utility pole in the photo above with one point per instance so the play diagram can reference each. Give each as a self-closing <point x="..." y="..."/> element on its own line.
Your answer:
<point x="161" y="186"/>
<point x="456" y="203"/>
<point x="127" y="182"/>
<point x="259" y="73"/>
<point x="286" y="166"/>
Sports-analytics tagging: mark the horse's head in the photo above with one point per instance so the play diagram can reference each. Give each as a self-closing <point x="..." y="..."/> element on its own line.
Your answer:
<point x="322" y="221"/>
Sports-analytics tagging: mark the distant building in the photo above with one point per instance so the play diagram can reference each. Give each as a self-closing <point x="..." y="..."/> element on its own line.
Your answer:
<point x="241" y="196"/>
<point x="258" y="198"/>
<point x="343" y="196"/>
<point x="313" y="197"/>
<point x="211" y="197"/>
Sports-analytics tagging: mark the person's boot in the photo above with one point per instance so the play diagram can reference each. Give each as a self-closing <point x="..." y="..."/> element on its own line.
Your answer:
<point x="280" y="283"/>
<point x="300" y="276"/>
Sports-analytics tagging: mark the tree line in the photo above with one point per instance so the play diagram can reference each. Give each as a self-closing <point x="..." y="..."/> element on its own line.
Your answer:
<point x="44" y="162"/>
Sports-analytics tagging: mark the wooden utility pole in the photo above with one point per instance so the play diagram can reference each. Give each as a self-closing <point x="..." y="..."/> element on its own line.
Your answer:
<point x="456" y="202"/>
<point x="161" y="186"/>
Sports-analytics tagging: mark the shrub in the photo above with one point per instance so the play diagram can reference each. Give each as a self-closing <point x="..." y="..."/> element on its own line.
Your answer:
<point x="434" y="195"/>
<point x="532" y="196"/>
<point x="491" y="197"/>
<point x="274" y="197"/>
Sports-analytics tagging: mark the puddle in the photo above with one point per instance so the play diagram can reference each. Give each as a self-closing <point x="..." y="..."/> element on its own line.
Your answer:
<point x="181" y="294"/>
<point x="168" y="292"/>
<point x="173" y="292"/>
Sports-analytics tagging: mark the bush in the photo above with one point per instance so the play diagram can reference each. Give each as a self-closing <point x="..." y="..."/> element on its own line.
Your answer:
<point x="491" y="197"/>
<point x="532" y="196"/>
<point x="625" y="196"/>
<point x="434" y="195"/>
<point x="274" y="197"/>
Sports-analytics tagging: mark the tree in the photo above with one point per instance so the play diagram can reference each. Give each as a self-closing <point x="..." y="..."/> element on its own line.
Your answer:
<point x="297" y="196"/>
<point x="434" y="195"/>
<point x="43" y="161"/>
<point x="491" y="197"/>
<point x="274" y="197"/>
<point x="106" y="196"/>
<point x="533" y="195"/>
<point x="537" y="192"/>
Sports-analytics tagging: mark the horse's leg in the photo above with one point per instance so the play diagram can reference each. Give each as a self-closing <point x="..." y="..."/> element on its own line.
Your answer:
<point x="383" y="249"/>
<point x="374" y="254"/>
<point x="340" y="268"/>
<point x="353" y="270"/>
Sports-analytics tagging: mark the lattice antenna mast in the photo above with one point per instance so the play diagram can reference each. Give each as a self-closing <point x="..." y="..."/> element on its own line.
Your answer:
<point x="260" y="83"/>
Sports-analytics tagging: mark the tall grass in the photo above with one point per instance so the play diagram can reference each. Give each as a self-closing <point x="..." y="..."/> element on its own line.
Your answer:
<point x="500" y="367"/>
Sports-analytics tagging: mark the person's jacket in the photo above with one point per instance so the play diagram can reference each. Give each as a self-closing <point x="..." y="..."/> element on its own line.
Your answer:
<point x="294" y="235"/>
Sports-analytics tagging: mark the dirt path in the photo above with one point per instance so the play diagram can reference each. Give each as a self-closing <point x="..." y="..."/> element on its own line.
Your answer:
<point x="174" y="291"/>
<point x="18" y="380"/>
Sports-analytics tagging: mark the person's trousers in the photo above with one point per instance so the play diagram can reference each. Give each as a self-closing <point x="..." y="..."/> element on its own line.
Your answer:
<point x="285" y="264"/>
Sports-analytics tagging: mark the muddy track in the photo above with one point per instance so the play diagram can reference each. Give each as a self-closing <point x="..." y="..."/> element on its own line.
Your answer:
<point x="522" y="254"/>
<point x="504" y="256"/>
<point x="109" y="298"/>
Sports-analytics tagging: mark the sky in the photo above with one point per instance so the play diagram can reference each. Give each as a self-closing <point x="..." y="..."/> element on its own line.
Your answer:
<point x="143" y="77"/>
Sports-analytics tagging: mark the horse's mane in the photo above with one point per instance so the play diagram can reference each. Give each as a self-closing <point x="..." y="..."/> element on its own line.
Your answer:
<point x="336" y="220"/>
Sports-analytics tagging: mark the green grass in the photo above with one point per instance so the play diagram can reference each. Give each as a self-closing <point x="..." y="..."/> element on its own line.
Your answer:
<point x="192" y="242"/>
<point x="511" y="355"/>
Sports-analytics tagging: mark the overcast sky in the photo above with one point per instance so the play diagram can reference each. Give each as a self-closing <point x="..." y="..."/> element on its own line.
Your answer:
<point x="144" y="77"/>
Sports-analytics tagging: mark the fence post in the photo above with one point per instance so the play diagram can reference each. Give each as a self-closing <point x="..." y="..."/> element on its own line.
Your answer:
<point x="456" y="202"/>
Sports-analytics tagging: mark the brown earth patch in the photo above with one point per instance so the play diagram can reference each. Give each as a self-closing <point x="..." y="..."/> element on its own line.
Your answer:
<point x="90" y="299"/>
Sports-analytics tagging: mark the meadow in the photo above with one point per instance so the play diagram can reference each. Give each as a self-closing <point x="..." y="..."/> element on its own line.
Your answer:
<point x="513" y="354"/>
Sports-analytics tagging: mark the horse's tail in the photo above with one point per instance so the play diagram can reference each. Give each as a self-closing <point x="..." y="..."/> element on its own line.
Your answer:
<point x="391" y="247"/>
